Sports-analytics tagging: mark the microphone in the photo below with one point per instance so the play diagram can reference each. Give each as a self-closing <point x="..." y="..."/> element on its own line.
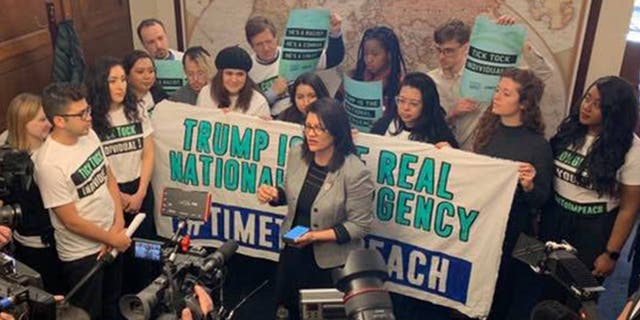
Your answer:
<point x="133" y="226"/>
<point x="221" y="256"/>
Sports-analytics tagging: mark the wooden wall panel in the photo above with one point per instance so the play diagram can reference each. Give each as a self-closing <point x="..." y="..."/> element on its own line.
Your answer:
<point x="26" y="49"/>
<point x="104" y="27"/>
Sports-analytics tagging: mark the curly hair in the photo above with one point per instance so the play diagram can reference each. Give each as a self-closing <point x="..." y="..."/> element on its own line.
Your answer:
<point x="619" y="109"/>
<point x="99" y="96"/>
<point x="529" y="95"/>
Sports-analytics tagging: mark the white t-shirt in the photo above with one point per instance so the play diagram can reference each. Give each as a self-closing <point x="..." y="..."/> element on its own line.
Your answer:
<point x="404" y="135"/>
<point x="177" y="55"/>
<point x="258" y="106"/>
<point x="75" y="174"/>
<point x="123" y="143"/>
<point x="265" y="74"/>
<point x="583" y="200"/>
<point x="147" y="103"/>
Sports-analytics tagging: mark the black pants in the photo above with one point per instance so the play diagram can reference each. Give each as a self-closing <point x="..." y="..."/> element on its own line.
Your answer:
<point x="297" y="269"/>
<point x="139" y="273"/>
<point x="99" y="295"/>
<point x="46" y="262"/>
<point x="634" y="278"/>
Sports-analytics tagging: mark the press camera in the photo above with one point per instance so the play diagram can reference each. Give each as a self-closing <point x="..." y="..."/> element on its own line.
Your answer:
<point x="20" y="289"/>
<point x="362" y="279"/>
<point x="16" y="172"/>
<point x="559" y="261"/>
<point x="183" y="264"/>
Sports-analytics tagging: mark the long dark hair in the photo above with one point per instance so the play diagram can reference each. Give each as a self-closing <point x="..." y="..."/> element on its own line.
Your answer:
<point x="389" y="41"/>
<point x="619" y="109"/>
<point x="99" y="96"/>
<point x="130" y="60"/>
<point x="334" y="118"/>
<point x="530" y="94"/>
<point x="430" y="125"/>
<point x="157" y="92"/>
<point x="293" y="114"/>
<point x="220" y="94"/>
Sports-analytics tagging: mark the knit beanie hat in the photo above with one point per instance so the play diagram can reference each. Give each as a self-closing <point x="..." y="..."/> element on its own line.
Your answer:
<point x="233" y="58"/>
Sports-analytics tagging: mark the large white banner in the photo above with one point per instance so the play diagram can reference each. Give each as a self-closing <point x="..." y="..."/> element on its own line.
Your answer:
<point x="440" y="215"/>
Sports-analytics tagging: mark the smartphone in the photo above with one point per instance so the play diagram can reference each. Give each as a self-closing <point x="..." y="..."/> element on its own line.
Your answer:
<point x="147" y="249"/>
<point x="293" y="234"/>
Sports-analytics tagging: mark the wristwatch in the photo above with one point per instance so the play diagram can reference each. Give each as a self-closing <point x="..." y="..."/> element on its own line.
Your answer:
<point x="613" y="255"/>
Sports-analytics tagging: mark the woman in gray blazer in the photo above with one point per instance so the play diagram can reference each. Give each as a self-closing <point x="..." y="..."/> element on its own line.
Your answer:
<point x="327" y="189"/>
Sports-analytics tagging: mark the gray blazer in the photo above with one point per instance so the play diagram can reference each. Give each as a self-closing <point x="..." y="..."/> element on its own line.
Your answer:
<point x="346" y="198"/>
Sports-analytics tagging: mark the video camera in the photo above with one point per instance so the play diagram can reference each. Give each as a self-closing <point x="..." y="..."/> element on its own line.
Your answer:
<point x="20" y="287"/>
<point x="560" y="262"/>
<point x="16" y="174"/>
<point x="183" y="265"/>
<point x="362" y="279"/>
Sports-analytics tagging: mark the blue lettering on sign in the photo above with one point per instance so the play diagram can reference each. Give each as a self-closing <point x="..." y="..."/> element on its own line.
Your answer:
<point x="430" y="271"/>
<point x="250" y="228"/>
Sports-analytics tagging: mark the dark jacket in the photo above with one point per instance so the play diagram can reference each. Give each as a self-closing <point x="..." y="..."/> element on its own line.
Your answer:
<point x="68" y="60"/>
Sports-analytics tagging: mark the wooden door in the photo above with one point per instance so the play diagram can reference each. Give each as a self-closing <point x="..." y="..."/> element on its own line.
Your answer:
<point x="26" y="49"/>
<point x="104" y="27"/>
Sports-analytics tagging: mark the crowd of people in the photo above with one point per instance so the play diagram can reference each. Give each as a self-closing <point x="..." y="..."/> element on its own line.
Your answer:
<point x="93" y="151"/>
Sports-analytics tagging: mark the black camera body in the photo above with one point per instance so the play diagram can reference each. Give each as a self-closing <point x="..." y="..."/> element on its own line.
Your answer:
<point x="182" y="265"/>
<point x="362" y="279"/>
<point x="21" y="289"/>
<point x="560" y="263"/>
<point x="16" y="175"/>
<point x="173" y="290"/>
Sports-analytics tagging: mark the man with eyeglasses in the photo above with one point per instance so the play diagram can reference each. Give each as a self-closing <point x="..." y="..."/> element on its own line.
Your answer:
<point x="452" y="44"/>
<point x="197" y="66"/>
<point x="82" y="196"/>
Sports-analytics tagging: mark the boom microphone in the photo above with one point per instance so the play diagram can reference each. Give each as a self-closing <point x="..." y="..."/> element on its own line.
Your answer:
<point x="221" y="256"/>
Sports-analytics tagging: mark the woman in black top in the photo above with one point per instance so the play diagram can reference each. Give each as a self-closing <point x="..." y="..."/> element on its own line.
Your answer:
<point x="327" y="189"/>
<point x="512" y="128"/>
<point x="28" y="127"/>
<point x="417" y="113"/>
<point x="597" y="181"/>
<point x="305" y="90"/>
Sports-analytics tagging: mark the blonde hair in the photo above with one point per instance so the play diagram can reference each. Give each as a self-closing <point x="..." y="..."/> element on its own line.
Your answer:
<point x="202" y="61"/>
<point x="22" y="109"/>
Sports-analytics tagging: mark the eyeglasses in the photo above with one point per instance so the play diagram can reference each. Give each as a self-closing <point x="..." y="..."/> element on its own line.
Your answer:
<point x="197" y="75"/>
<point x="317" y="130"/>
<point x="447" y="52"/>
<point x="412" y="103"/>
<point x="84" y="114"/>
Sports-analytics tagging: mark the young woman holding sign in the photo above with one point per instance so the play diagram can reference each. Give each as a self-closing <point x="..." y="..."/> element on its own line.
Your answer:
<point x="327" y="189"/>
<point x="379" y="59"/>
<point x="125" y="130"/>
<point x="304" y="91"/>
<point x="597" y="183"/>
<point x="512" y="128"/>
<point x="417" y="114"/>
